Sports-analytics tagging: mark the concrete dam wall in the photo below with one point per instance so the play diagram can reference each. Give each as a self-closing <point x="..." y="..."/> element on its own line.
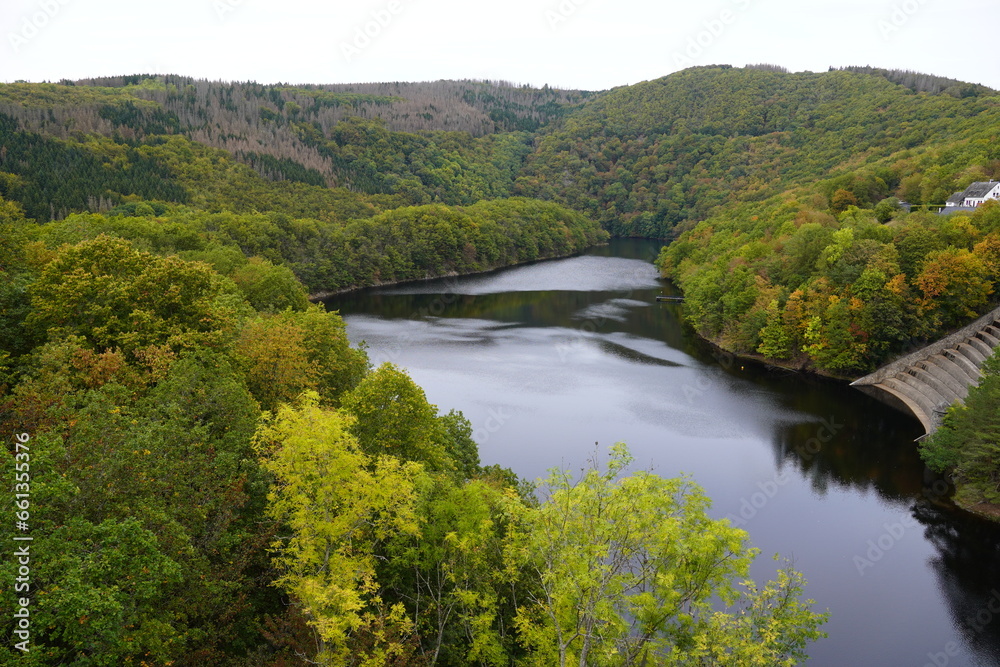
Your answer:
<point x="931" y="379"/>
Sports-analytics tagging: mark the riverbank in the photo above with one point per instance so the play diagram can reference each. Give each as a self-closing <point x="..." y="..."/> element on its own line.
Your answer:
<point x="965" y="501"/>
<point x="983" y="510"/>
<point x="760" y="360"/>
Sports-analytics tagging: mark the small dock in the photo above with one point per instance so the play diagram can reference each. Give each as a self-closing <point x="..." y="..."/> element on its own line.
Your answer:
<point x="670" y="298"/>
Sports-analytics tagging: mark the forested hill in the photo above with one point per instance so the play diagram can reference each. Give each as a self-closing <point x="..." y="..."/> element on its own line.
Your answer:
<point x="641" y="159"/>
<point x="926" y="83"/>
<point x="288" y="131"/>
<point x="794" y="245"/>
<point x="646" y="158"/>
<point x="306" y="177"/>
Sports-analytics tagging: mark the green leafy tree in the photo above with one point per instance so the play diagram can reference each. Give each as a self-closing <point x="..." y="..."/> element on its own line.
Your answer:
<point x="13" y="230"/>
<point x="629" y="569"/>
<point x="459" y="445"/>
<point x="451" y="576"/>
<point x="176" y="458"/>
<point x="103" y="585"/>
<point x="16" y="338"/>
<point x="887" y="313"/>
<point x="338" y="367"/>
<point x="914" y="243"/>
<point x="103" y="595"/>
<point x="886" y="209"/>
<point x="393" y="417"/>
<point x="194" y="440"/>
<point x="775" y="339"/>
<point x="338" y="504"/>
<point x="270" y="288"/>
<point x="834" y="341"/>
<point x="117" y="297"/>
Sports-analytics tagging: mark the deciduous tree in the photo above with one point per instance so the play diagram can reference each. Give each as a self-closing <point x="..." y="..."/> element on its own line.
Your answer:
<point x="954" y="286"/>
<point x="338" y="504"/>
<point x="117" y="297"/>
<point x="392" y="416"/>
<point x="630" y="570"/>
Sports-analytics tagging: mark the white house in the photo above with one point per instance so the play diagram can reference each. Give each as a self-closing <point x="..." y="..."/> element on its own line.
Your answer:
<point x="975" y="194"/>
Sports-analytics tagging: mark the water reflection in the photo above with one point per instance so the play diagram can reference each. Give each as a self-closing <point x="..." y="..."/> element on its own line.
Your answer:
<point x="860" y="444"/>
<point x="968" y="570"/>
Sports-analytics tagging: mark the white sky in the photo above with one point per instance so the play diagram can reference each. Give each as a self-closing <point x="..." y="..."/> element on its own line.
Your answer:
<point x="589" y="44"/>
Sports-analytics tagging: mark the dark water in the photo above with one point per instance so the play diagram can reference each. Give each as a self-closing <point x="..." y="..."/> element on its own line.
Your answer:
<point x="555" y="361"/>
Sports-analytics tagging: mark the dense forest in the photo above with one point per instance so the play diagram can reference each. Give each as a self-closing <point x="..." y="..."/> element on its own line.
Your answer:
<point x="217" y="477"/>
<point x="299" y="132"/>
<point x="656" y="157"/>
<point x="840" y="293"/>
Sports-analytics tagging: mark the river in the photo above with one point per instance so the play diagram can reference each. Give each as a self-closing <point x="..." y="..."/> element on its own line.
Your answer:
<point x="555" y="361"/>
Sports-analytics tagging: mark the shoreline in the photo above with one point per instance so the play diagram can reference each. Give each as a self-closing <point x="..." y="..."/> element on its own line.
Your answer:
<point x="974" y="506"/>
<point x="326" y="294"/>
<point x="982" y="510"/>
<point x="985" y="511"/>
<point x="767" y="363"/>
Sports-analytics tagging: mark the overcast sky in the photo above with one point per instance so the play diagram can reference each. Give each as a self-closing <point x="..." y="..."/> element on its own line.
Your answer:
<point x="589" y="44"/>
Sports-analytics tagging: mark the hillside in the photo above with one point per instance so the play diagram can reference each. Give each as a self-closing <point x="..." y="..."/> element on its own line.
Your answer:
<point x="799" y="251"/>
<point x="173" y="193"/>
<point x="286" y="131"/>
<point x="641" y="159"/>
<point x="644" y="159"/>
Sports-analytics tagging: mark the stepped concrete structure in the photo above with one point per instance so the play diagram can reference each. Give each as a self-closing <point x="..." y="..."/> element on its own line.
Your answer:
<point x="929" y="380"/>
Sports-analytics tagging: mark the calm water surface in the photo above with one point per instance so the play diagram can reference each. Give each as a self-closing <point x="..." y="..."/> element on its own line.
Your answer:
<point x="555" y="361"/>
